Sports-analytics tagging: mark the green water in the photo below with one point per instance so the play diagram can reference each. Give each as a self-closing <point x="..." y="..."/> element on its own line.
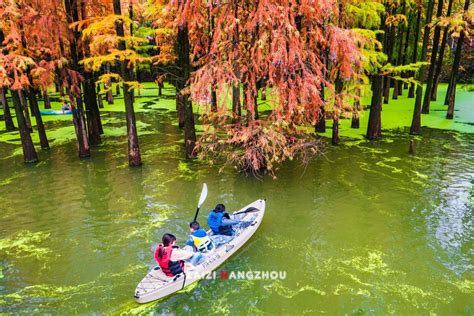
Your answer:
<point x="364" y="229"/>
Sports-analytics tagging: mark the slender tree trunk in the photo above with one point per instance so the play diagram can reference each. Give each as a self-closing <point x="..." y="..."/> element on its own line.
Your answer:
<point x="29" y="152"/>
<point x="81" y="131"/>
<point x="79" y="121"/>
<point x="405" y="51"/>
<point x="210" y="30"/>
<point x="183" y="51"/>
<point x="434" y="51"/>
<point x="39" y="121"/>
<point x="26" y="112"/>
<point x="439" y="66"/>
<point x="374" y="128"/>
<point x="213" y="100"/>
<point x="321" y="119"/>
<point x="390" y="43"/>
<point x="411" y="91"/>
<point x="108" y="87"/>
<point x="455" y="71"/>
<point x="47" y="102"/>
<point x="160" y="89"/>
<point x="355" y="112"/>
<point x="451" y="100"/>
<point x="100" y="102"/>
<point x="335" y="131"/>
<point x="134" y="156"/>
<point x="9" y="126"/>
<point x="117" y="90"/>
<point x="416" y="121"/>
<point x="236" y="108"/>
<point x="338" y="86"/>
<point x="397" y="85"/>
<point x="180" y="105"/>
<point x="94" y="123"/>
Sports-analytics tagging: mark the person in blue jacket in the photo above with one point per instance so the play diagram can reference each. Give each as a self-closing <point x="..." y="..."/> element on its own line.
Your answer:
<point x="219" y="221"/>
<point x="199" y="239"/>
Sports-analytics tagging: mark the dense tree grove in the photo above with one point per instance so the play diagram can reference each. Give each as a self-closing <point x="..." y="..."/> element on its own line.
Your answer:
<point x="313" y="59"/>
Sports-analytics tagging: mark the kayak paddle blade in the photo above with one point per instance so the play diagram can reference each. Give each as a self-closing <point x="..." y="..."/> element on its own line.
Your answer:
<point x="203" y="195"/>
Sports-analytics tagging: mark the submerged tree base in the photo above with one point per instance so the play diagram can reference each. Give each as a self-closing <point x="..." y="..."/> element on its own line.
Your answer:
<point x="259" y="147"/>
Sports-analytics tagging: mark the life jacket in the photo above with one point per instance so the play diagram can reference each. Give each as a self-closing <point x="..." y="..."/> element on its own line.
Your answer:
<point x="170" y="268"/>
<point x="214" y="220"/>
<point x="201" y="240"/>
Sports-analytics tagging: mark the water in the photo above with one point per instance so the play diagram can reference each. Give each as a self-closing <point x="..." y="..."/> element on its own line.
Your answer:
<point x="364" y="229"/>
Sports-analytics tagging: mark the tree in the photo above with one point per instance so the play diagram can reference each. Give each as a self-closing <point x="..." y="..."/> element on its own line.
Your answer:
<point x="374" y="127"/>
<point x="287" y="53"/>
<point x="416" y="121"/>
<point x="411" y="91"/>
<point x="439" y="65"/>
<point x="134" y="156"/>
<point x="111" y="44"/>
<point x="434" y="52"/>
<point x="455" y="70"/>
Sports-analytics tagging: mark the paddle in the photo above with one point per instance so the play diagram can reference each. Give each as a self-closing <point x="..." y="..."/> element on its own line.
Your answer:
<point x="201" y="200"/>
<point x="249" y="210"/>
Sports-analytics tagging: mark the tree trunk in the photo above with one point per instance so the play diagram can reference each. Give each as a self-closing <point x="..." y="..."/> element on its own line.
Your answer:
<point x="397" y="86"/>
<point x="213" y="100"/>
<point x="451" y="95"/>
<point x="434" y="89"/>
<point x="434" y="52"/>
<point x="160" y="89"/>
<point x="94" y="123"/>
<point x="405" y="52"/>
<point x="355" y="112"/>
<point x="29" y="152"/>
<point x="183" y="51"/>
<point x="100" y="102"/>
<point x="335" y="131"/>
<point x="451" y="99"/>
<point x="374" y="128"/>
<point x="389" y="50"/>
<point x="7" y="116"/>
<point x="47" y="102"/>
<point x="117" y="90"/>
<point x="236" y="108"/>
<point x="180" y="107"/>
<point x="39" y="121"/>
<point x="411" y="91"/>
<point x="81" y="132"/>
<point x="26" y="112"/>
<point x="76" y="100"/>
<point x="134" y="156"/>
<point x="108" y="86"/>
<point x="439" y="66"/>
<point x="110" y="96"/>
<point x="416" y="121"/>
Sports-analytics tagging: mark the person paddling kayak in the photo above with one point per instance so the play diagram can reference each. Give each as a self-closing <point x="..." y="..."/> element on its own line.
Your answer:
<point x="221" y="223"/>
<point x="171" y="258"/>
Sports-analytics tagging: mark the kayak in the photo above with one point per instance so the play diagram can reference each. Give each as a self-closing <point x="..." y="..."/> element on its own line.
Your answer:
<point x="54" y="112"/>
<point x="156" y="284"/>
